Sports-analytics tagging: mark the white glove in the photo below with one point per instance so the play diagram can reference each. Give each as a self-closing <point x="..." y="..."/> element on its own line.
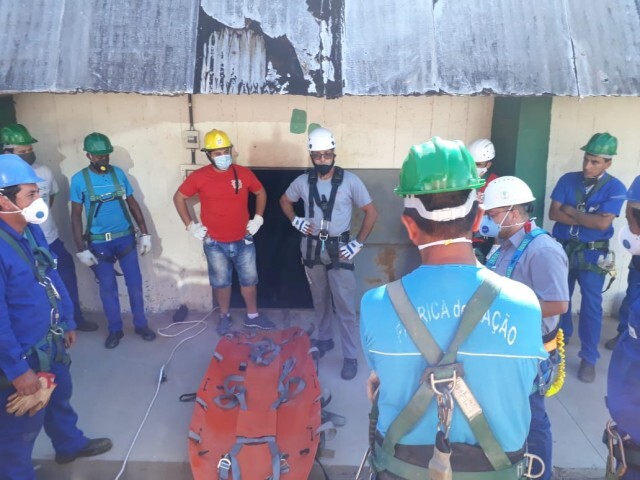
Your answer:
<point x="197" y="230"/>
<point x="301" y="224"/>
<point x="351" y="249"/>
<point x="87" y="258"/>
<point x="254" y="224"/>
<point x="144" y="244"/>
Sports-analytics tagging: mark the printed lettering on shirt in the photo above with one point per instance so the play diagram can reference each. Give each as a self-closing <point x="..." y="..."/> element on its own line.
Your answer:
<point x="236" y="184"/>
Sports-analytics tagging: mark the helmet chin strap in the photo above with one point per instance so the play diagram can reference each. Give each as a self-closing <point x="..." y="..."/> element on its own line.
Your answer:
<point x="444" y="242"/>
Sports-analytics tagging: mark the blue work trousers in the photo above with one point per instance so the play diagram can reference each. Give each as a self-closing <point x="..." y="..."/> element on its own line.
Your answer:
<point x="590" y="319"/>
<point x="67" y="271"/>
<point x="105" y="271"/>
<point x="540" y="441"/>
<point x="633" y="293"/>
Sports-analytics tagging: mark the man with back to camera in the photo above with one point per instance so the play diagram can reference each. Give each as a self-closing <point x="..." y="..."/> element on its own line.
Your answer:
<point x="328" y="193"/>
<point x="583" y="205"/>
<point x="466" y="410"/>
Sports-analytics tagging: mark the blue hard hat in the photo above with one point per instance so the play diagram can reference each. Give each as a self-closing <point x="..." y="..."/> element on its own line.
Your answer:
<point x="15" y="171"/>
<point x="633" y="194"/>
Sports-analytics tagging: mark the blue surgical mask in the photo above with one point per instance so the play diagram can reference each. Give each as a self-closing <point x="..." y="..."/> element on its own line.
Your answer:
<point x="488" y="228"/>
<point x="222" y="162"/>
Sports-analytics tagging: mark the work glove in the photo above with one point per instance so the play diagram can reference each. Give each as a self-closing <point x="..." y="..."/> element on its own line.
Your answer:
<point x="18" y="404"/>
<point x="301" y="224"/>
<point x="254" y="224"/>
<point x="197" y="230"/>
<point x="351" y="249"/>
<point x="87" y="258"/>
<point x="144" y="244"/>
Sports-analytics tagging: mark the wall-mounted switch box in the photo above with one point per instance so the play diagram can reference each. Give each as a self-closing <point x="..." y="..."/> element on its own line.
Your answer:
<point x="191" y="139"/>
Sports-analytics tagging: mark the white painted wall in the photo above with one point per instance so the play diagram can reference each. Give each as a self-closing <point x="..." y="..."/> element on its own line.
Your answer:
<point x="573" y="121"/>
<point x="371" y="132"/>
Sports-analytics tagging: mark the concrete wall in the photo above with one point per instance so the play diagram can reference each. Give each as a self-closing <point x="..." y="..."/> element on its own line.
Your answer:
<point x="573" y="122"/>
<point x="372" y="132"/>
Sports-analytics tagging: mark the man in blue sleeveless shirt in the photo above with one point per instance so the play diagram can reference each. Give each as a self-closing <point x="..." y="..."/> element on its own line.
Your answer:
<point x="529" y="255"/>
<point x="583" y="206"/>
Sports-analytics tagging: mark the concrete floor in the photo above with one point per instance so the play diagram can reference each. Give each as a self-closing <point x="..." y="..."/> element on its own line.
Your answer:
<point x="113" y="389"/>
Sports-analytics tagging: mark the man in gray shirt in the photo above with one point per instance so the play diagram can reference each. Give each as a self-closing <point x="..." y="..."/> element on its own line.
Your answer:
<point x="328" y="193"/>
<point x="528" y="254"/>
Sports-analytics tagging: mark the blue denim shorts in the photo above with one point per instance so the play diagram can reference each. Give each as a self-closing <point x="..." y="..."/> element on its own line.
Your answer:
<point x="223" y="257"/>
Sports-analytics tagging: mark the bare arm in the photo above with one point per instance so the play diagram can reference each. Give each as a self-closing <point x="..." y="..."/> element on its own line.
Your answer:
<point x="370" y="216"/>
<point x="180" y="202"/>
<point x="287" y="207"/>
<point x="557" y="215"/>
<point x="597" y="221"/>
<point x="550" y="309"/>
<point x="76" y="225"/>
<point x="261" y="202"/>
<point x="136" y="213"/>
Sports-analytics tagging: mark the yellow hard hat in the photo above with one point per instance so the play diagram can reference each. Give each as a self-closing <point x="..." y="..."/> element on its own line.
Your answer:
<point x="216" y="139"/>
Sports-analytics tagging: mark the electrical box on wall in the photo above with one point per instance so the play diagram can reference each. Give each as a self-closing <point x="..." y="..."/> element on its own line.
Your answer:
<point x="187" y="169"/>
<point x="191" y="139"/>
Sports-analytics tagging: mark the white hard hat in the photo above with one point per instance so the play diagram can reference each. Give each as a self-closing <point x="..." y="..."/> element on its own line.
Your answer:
<point x="482" y="150"/>
<point x="505" y="192"/>
<point x="321" y="139"/>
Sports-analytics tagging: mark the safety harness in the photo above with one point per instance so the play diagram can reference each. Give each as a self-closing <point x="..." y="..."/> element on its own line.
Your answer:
<point x="54" y="340"/>
<point x="551" y="382"/>
<point x="443" y="380"/>
<point x="323" y="239"/>
<point x="574" y="246"/>
<point x="95" y="202"/>
<point x="622" y="451"/>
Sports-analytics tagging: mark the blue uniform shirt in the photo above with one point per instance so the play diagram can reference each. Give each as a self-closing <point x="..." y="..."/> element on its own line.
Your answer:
<point x="25" y="310"/>
<point x="500" y="357"/>
<point x="110" y="218"/>
<point x="602" y="201"/>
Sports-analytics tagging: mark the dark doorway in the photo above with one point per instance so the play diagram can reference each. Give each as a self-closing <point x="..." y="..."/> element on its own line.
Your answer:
<point x="283" y="283"/>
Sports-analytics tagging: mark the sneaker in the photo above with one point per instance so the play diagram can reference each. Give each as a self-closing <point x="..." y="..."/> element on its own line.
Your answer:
<point x="224" y="324"/>
<point x="323" y="346"/>
<point x="586" y="372"/>
<point x="261" y="322"/>
<point x="95" y="446"/>
<point x="83" y="325"/>
<point x="146" y="333"/>
<point x="113" y="339"/>
<point x="612" y="342"/>
<point x="349" y="368"/>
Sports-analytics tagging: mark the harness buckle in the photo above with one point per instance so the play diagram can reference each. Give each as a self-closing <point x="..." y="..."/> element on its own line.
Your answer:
<point x="323" y="235"/>
<point x="430" y="375"/>
<point x="107" y="236"/>
<point x="581" y="207"/>
<point x="530" y="457"/>
<point x="224" y="465"/>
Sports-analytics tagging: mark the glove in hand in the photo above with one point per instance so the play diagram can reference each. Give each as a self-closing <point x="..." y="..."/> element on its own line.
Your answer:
<point x="351" y="249"/>
<point x="197" y="230"/>
<point x="301" y="224"/>
<point x="254" y="224"/>
<point x="87" y="258"/>
<point x="18" y="404"/>
<point x="144" y="244"/>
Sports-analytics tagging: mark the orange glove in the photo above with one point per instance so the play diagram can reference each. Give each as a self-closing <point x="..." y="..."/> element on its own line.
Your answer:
<point x="18" y="405"/>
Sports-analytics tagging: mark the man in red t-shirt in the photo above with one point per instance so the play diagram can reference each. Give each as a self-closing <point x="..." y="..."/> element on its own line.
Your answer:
<point x="226" y="230"/>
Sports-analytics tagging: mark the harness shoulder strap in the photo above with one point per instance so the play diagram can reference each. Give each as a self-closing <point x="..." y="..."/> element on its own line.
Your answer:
<point x="580" y="195"/>
<point x="528" y="238"/>
<point x="95" y="202"/>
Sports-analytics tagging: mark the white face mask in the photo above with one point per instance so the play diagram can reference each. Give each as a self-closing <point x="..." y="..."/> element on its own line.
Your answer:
<point x="36" y="213"/>
<point x="482" y="171"/>
<point x="222" y="162"/>
<point x="629" y="241"/>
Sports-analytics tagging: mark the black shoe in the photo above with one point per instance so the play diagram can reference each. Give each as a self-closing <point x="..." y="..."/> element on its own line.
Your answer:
<point x="323" y="346"/>
<point x="83" y="325"/>
<point x="113" y="339"/>
<point x="96" y="446"/>
<point x="349" y="368"/>
<point x="586" y="372"/>
<point x="261" y="322"/>
<point x="224" y="324"/>
<point x="612" y="342"/>
<point x="146" y="333"/>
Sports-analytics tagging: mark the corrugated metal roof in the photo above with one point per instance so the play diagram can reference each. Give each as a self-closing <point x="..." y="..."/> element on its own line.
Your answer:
<point x="322" y="47"/>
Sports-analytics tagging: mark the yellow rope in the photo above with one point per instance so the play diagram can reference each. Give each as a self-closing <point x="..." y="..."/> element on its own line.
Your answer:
<point x="558" y="382"/>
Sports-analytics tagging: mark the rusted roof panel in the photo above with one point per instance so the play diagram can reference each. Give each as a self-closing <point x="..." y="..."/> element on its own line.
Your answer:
<point x="145" y="46"/>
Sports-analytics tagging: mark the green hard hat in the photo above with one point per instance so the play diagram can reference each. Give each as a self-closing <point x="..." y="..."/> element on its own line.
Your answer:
<point x="16" y="134"/>
<point x="602" y="144"/>
<point x="97" y="144"/>
<point x="438" y="166"/>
